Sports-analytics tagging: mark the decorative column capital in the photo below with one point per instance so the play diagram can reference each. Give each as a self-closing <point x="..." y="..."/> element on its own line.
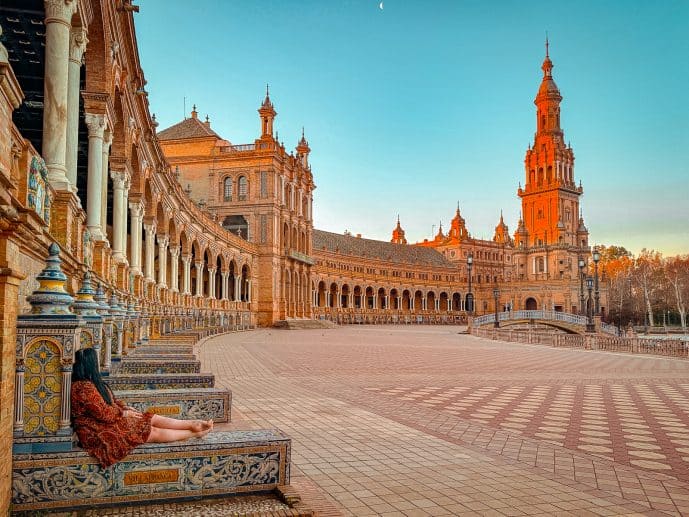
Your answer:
<point x="150" y="230"/>
<point x="59" y="11"/>
<point x="119" y="179"/>
<point x="174" y="251"/>
<point x="186" y="259"/>
<point x="137" y="208"/>
<point x="211" y="270"/>
<point x="96" y="124"/>
<point x="198" y="265"/>
<point x="163" y="239"/>
<point x="77" y="44"/>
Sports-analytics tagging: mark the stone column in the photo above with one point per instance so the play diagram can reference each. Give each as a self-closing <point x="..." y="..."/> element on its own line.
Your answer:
<point x="119" y="179"/>
<point x="237" y="288"/>
<point x="77" y="45"/>
<point x="225" y="281"/>
<point x="174" y="268"/>
<point x="58" y="16"/>
<point x="65" y="410"/>
<point x="150" y="249"/>
<point x="107" y="141"/>
<point x="125" y="196"/>
<point x="186" y="277"/>
<point x="136" y="212"/>
<point x="96" y="126"/>
<point x="211" y="283"/>
<point x="163" y="241"/>
<point x="248" y="290"/>
<point x="199" y="278"/>
<point x="19" y="398"/>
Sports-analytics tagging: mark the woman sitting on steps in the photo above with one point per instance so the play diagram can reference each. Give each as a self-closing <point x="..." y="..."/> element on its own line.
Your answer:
<point x="109" y="430"/>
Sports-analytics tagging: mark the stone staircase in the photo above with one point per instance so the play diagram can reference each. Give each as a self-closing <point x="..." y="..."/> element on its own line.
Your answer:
<point x="303" y="324"/>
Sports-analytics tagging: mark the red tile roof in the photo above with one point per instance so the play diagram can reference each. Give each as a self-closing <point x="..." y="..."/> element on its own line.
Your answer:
<point x="388" y="251"/>
<point x="188" y="128"/>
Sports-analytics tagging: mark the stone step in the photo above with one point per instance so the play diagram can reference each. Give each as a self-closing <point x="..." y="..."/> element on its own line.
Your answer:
<point x="156" y="366"/>
<point x="185" y="404"/>
<point x="145" y="356"/>
<point x="222" y="463"/>
<point x="160" y="381"/>
<point x="301" y="324"/>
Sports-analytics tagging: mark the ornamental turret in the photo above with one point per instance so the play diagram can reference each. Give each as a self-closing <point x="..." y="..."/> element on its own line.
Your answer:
<point x="267" y="113"/>
<point x="303" y="150"/>
<point x="398" y="234"/>
<point x="502" y="233"/>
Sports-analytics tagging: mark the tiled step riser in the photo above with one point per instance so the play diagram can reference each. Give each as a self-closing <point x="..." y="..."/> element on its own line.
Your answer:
<point x="160" y="381"/>
<point x="161" y="356"/>
<point x="223" y="463"/>
<point x="187" y="404"/>
<point x="136" y="366"/>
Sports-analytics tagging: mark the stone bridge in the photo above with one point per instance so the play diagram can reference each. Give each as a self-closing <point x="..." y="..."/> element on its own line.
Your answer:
<point x="570" y="323"/>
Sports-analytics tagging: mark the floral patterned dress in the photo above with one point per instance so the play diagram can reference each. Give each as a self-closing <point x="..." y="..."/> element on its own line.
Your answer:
<point x="102" y="429"/>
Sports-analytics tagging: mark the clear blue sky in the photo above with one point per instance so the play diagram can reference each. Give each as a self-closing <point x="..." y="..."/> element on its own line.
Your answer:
<point x="417" y="106"/>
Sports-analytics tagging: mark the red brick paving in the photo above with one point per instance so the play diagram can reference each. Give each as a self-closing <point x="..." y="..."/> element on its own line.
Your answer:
<point x="582" y="430"/>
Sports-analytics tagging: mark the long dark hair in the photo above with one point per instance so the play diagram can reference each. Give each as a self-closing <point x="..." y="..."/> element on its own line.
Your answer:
<point x="86" y="369"/>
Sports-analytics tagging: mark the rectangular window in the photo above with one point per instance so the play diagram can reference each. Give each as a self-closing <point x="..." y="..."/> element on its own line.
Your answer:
<point x="264" y="228"/>
<point x="264" y="184"/>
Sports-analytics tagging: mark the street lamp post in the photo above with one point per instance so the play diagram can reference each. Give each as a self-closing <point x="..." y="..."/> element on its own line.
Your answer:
<point x="596" y="259"/>
<point x="582" y="265"/>
<point x="496" y="294"/>
<point x="590" y="327"/>
<point x="470" y="297"/>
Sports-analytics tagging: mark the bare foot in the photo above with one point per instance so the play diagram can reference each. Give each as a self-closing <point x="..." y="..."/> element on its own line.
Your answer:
<point x="197" y="426"/>
<point x="201" y="434"/>
<point x="208" y="424"/>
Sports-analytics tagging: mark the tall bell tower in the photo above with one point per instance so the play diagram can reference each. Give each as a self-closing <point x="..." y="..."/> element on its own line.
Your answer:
<point x="550" y="198"/>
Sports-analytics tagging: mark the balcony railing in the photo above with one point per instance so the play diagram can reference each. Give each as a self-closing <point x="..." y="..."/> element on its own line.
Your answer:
<point x="301" y="257"/>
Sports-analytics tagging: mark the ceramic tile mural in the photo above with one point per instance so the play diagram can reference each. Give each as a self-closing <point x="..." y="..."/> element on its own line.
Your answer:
<point x="42" y="386"/>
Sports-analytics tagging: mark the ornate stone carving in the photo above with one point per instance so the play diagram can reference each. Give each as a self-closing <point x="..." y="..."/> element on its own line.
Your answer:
<point x="96" y="124"/>
<point x="77" y="44"/>
<point x="59" y="10"/>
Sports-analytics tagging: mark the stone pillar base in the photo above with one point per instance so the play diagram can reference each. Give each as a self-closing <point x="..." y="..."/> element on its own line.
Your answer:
<point x="67" y="218"/>
<point x="101" y="258"/>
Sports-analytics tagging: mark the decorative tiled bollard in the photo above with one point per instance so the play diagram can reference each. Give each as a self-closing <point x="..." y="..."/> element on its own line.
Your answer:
<point x="118" y="316"/>
<point x="46" y="341"/>
<point x="104" y="311"/>
<point x="86" y="307"/>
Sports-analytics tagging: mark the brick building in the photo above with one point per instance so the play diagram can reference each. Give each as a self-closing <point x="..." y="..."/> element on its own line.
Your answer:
<point x="182" y="223"/>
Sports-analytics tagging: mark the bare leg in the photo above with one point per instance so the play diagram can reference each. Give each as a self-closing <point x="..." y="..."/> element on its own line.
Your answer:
<point x="161" y="435"/>
<point x="164" y="422"/>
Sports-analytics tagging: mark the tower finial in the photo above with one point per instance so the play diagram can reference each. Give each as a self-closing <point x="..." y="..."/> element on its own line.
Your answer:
<point x="267" y="91"/>
<point x="302" y="132"/>
<point x="546" y="44"/>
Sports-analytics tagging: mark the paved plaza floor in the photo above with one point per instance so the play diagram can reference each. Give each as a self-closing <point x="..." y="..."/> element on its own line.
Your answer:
<point x="418" y="420"/>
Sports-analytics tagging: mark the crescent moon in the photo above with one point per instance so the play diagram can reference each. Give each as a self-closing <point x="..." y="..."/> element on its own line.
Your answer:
<point x="381" y="6"/>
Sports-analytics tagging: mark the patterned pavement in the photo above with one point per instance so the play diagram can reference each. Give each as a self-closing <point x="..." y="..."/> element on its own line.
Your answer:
<point x="429" y="421"/>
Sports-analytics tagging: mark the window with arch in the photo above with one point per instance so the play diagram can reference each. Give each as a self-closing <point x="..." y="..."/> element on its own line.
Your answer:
<point x="243" y="187"/>
<point x="540" y="265"/>
<point x="227" y="189"/>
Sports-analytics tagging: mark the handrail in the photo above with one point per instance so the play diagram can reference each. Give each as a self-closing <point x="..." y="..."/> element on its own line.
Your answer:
<point x="566" y="317"/>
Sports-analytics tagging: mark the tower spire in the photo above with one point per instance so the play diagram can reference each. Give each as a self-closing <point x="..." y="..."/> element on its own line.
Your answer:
<point x="546" y="44"/>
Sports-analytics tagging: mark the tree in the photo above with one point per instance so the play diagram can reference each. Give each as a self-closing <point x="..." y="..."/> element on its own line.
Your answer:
<point x="676" y="271"/>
